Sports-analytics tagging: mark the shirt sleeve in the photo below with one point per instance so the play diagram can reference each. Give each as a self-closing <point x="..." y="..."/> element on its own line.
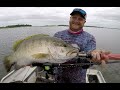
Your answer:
<point x="56" y="35"/>
<point x="91" y="45"/>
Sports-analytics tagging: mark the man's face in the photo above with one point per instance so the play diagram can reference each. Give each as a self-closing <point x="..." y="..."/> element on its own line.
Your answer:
<point x="76" y="22"/>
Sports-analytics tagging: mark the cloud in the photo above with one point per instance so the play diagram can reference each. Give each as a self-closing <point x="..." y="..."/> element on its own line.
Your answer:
<point x="15" y="13"/>
<point x="112" y="13"/>
<point x="56" y="14"/>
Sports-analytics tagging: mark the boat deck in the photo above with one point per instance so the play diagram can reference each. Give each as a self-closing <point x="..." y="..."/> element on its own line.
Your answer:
<point x="37" y="75"/>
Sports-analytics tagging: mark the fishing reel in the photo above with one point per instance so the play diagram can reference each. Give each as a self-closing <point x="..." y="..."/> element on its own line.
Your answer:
<point x="47" y="67"/>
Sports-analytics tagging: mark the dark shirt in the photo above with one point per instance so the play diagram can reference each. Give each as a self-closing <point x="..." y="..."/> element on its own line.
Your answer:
<point x="86" y="42"/>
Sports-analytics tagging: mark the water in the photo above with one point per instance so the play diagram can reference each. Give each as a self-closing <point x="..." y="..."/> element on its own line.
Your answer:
<point x="107" y="39"/>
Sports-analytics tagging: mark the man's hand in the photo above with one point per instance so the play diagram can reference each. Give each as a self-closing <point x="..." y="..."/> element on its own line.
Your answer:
<point x="100" y="56"/>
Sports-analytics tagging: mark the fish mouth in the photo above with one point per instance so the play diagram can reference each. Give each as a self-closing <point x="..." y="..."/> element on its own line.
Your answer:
<point x="73" y="52"/>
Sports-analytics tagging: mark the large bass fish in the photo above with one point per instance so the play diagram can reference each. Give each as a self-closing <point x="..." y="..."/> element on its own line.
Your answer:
<point x="40" y="49"/>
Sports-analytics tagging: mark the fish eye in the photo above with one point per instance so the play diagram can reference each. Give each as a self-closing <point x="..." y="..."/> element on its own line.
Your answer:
<point x="65" y="45"/>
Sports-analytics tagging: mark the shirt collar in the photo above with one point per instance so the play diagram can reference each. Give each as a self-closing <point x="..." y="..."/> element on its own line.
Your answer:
<point x="78" y="32"/>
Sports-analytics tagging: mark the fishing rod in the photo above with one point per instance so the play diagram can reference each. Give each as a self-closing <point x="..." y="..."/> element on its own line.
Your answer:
<point x="103" y="56"/>
<point x="83" y="56"/>
<point x="49" y="68"/>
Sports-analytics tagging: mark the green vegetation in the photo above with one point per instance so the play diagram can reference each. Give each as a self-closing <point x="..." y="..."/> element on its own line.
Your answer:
<point x="18" y="25"/>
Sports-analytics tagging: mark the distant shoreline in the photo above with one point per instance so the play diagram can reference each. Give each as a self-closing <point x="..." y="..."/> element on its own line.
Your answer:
<point x="18" y="25"/>
<point x="84" y="26"/>
<point x="27" y="25"/>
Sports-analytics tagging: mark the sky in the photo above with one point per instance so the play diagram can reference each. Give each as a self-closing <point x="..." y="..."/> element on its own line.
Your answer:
<point x="40" y="16"/>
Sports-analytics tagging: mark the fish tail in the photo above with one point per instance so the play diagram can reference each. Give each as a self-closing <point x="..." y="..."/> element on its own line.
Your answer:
<point x="8" y="63"/>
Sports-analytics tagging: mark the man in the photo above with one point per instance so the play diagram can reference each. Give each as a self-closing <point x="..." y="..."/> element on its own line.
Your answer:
<point x="75" y="35"/>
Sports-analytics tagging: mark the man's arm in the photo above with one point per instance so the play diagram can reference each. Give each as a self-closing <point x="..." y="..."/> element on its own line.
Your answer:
<point x="90" y="46"/>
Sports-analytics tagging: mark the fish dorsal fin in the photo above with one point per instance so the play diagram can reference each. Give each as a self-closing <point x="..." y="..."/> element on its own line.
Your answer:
<point x="16" y="44"/>
<point x="40" y="55"/>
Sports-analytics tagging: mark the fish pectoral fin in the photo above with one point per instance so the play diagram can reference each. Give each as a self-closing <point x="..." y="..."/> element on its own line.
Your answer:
<point x="40" y="55"/>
